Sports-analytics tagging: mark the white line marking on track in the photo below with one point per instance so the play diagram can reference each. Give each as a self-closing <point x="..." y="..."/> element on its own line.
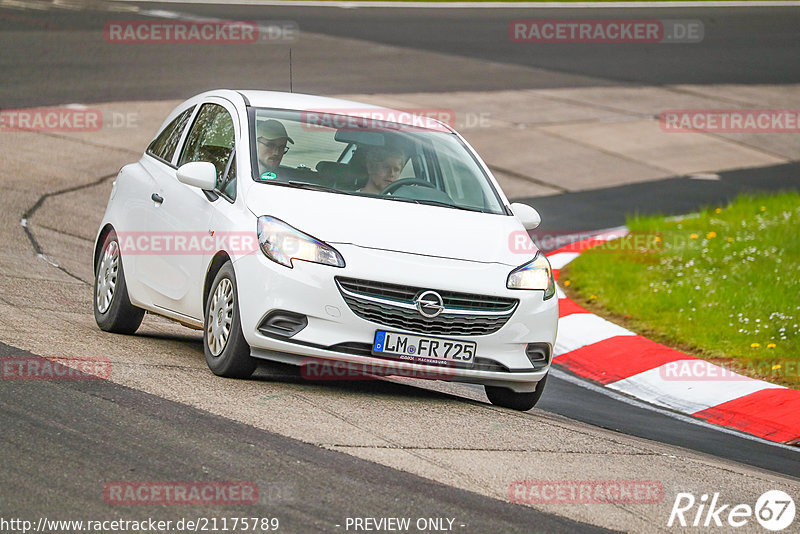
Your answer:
<point x="581" y="329"/>
<point x="48" y="260"/>
<point x="688" y="396"/>
<point x="558" y="261"/>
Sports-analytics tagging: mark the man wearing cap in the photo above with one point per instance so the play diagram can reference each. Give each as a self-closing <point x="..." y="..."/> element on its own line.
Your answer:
<point x="271" y="139"/>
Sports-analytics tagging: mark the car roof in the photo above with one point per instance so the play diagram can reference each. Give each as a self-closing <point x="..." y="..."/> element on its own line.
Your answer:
<point x="308" y="103"/>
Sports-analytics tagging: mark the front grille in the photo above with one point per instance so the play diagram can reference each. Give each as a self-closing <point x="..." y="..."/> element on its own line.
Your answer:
<point x="393" y="305"/>
<point x="485" y="364"/>
<point x="353" y="347"/>
<point x="451" y="299"/>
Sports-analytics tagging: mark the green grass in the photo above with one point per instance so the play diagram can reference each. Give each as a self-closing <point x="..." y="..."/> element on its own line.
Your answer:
<point x="723" y="284"/>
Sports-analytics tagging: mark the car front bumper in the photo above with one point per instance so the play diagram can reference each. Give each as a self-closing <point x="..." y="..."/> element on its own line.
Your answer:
<point x="310" y="290"/>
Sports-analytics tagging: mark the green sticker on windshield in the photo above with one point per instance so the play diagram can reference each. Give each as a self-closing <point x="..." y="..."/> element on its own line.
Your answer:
<point x="268" y="175"/>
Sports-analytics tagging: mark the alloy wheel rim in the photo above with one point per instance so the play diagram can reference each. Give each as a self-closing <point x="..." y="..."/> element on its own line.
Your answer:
<point x="220" y="317"/>
<point x="107" y="276"/>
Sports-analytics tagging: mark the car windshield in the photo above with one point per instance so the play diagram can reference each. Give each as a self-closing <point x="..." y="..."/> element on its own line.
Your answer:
<point x="370" y="157"/>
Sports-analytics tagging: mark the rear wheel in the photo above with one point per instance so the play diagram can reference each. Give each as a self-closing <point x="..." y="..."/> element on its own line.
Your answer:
<point x="227" y="352"/>
<point x="113" y="310"/>
<point x="508" y="398"/>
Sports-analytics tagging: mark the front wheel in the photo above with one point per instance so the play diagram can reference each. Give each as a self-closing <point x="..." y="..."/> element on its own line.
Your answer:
<point x="227" y="352"/>
<point x="508" y="398"/>
<point x="113" y="310"/>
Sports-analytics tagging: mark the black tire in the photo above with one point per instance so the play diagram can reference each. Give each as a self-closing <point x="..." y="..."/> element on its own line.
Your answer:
<point x="507" y="398"/>
<point x="233" y="360"/>
<point x="119" y="315"/>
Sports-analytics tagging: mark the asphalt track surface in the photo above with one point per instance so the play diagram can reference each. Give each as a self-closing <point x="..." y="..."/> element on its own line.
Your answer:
<point x="740" y="46"/>
<point x="598" y="209"/>
<point x="102" y="431"/>
<point x="67" y="60"/>
<point x="54" y="58"/>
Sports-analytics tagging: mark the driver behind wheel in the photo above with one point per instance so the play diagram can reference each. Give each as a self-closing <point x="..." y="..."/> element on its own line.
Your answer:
<point x="384" y="165"/>
<point x="271" y="140"/>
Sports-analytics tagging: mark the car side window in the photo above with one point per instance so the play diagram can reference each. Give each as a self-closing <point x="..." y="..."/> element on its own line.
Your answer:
<point x="212" y="139"/>
<point x="163" y="146"/>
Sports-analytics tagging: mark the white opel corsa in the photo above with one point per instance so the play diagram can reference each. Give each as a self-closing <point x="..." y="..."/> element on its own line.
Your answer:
<point x="318" y="231"/>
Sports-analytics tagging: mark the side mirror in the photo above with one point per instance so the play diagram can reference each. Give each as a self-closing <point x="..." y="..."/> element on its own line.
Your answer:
<point x="200" y="174"/>
<point x="529" y="217"/>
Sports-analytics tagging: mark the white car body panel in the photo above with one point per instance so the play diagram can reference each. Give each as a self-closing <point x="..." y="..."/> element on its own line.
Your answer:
<point x="381" y="240"/>
<point x="391" y="225"/>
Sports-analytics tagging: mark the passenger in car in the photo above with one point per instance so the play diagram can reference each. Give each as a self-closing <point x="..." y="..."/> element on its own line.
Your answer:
<point x="271" y="139"/>
<point x="384" y="165"/>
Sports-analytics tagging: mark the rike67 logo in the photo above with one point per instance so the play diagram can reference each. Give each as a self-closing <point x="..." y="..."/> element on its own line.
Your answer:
<point x="774" y="510"/>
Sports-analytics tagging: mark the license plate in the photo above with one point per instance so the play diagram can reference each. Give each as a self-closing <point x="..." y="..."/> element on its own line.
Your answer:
<point x="423" y="349"/>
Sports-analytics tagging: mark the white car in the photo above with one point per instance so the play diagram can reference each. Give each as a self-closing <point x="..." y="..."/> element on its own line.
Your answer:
<point x="379" y="241"/>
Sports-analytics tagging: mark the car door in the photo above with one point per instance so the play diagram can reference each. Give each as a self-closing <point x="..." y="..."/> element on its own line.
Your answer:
<point x="185" y="213"/>
<point x="141" y="187"/>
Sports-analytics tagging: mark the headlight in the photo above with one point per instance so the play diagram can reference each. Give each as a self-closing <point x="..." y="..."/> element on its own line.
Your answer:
<point x="281" y="243"/>
<point x="535" y="274"/>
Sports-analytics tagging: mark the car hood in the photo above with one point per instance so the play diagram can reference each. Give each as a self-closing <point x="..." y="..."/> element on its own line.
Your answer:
<point x="393" y="225"/>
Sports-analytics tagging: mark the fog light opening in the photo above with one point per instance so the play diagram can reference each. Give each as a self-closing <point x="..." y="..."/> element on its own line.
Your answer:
<point x="282" y="324"/>
<point x="539" y="354"/>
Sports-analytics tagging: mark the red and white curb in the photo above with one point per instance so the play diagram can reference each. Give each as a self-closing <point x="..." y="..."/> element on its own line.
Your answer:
<point x="618" y="359"/>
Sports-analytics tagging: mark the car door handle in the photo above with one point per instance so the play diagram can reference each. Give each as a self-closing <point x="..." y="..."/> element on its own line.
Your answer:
<point x="158" y="199"/>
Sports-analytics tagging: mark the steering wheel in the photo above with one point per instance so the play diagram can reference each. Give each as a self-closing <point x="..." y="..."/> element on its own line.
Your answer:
<point x="394" y="186"/>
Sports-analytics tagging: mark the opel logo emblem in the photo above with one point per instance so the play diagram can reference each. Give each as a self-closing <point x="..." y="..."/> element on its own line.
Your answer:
<point x="429" y="304"/>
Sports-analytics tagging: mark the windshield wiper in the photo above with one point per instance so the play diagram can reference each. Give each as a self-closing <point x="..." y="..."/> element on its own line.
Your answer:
<point x="447" y="205"/>
<point x="399" y="199"/>
<point x="306" y="185"/>
<point x="314" y="187"/>
<point x="436" y="203"/>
